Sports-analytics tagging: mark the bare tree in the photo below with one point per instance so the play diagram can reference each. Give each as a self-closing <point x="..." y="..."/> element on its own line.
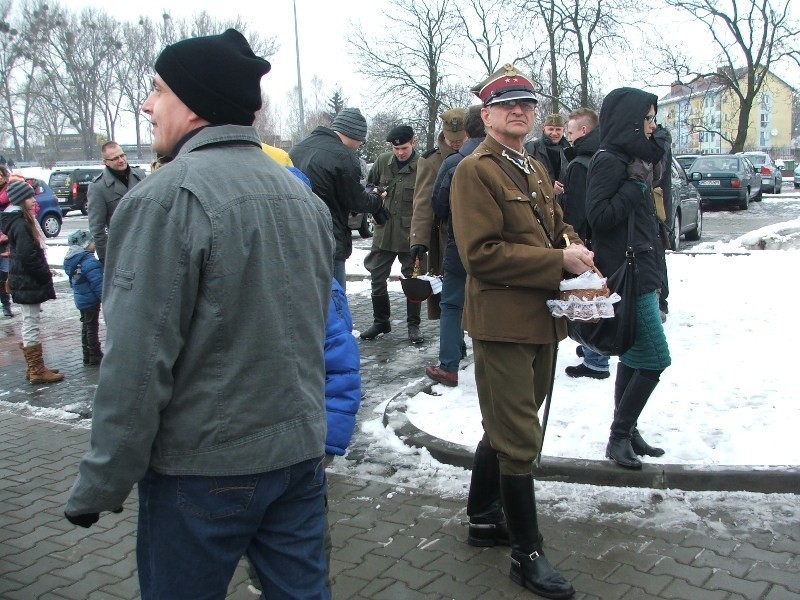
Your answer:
<point x="75" y="62"/>
<point x="576" y="32"/>
<point x="483" y="26"/>
<point x="752" y="36"/>
<point x="408" y="59"/>
<point x="135" y="72"/>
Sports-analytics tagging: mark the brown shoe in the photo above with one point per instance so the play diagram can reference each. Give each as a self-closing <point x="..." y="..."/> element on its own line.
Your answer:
<point x="447" y="378"/>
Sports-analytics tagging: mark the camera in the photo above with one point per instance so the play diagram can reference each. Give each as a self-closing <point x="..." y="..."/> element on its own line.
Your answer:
<point x="382" y="216"/>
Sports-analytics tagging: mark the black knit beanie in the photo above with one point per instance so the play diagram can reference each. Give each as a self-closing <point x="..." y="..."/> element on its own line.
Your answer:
<point x="217" y="76"/>
<point x="351" y="122"/>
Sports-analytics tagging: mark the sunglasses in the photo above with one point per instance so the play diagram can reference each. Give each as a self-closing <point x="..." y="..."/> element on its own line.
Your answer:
<point x="523" y="104"/>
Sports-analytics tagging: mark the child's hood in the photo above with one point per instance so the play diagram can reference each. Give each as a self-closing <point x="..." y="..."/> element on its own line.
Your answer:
<point x="73" y="258"/>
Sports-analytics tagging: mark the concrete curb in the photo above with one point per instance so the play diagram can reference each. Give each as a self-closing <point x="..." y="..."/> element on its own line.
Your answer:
<point x="760" y="479"/>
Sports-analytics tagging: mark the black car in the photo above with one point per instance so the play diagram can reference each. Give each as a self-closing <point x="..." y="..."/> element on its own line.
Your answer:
<point x="70" y="186"/>
<point x="726" y="178"/>
<point x="687" y="214"/>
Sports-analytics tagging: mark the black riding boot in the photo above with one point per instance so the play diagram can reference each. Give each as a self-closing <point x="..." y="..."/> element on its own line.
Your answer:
<point x="630" y="406"/>
<point x="381" y="311"/>
<point x="413" y="320"/>
<point x="529" y="566"/>
<point x="487" y="523"/>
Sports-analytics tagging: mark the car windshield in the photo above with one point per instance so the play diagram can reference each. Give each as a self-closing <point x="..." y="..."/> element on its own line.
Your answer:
<point x="716" y="163"/>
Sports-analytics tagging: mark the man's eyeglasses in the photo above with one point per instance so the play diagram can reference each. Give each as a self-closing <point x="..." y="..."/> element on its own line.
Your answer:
<point x="115" y="158"/>
<point x="509" y="104"/>
<point x="650" y="118"/>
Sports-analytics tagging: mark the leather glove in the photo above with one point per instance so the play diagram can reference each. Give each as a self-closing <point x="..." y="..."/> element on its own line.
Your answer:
<point x="418" y="251"/>
<point x="88" y="519"/>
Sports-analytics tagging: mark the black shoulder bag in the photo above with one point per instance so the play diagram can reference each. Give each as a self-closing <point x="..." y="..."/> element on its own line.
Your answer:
<point x="615" y="336"/>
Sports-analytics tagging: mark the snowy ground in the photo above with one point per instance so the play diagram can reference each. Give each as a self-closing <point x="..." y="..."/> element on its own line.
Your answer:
<point x="730" y="383"/>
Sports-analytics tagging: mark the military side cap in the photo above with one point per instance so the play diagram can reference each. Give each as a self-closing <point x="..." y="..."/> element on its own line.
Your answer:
<point x="402" y="134"/>
<point x="554" y="120"/>
<point x="505" y="84"/>
<point x="453" y="124"/>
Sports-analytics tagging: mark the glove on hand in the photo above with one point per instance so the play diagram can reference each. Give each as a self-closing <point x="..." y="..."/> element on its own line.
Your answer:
<point x="418" y="251"/>
<point x="88" y="519"/>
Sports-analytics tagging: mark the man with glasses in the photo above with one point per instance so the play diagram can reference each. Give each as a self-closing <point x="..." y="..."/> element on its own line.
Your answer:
<point x="510" y="235"/>
<point x="106" y="190"/>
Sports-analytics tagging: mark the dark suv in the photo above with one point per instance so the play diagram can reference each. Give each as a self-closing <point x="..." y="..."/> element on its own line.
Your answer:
<point x="70" y="186"/>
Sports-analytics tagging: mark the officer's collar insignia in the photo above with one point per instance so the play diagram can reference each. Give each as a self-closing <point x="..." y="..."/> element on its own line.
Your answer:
<point x="520" y="161"/>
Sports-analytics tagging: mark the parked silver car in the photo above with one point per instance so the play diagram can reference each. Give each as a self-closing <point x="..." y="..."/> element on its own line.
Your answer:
<point x="771" y="176"/>
<point x="797" y="177"/>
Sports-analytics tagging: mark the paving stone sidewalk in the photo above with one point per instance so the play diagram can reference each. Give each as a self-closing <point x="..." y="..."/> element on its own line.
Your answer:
<point x="389" y="542"/>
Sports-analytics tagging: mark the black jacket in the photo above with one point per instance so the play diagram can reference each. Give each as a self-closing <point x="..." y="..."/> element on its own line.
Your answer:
<point x="538" y="149"/>
<point x="441" y="203"/>
<point x="573" y="200"/>
<point x="612" y="196"/>
<point x="29" y="274"/>
<point x="335" y="175"/>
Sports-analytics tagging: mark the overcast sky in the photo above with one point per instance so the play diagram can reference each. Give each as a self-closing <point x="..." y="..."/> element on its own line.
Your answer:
<point x="324" y="27"/>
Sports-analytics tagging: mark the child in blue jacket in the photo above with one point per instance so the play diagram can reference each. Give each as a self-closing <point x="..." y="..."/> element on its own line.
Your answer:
<point x="85" y="274"/>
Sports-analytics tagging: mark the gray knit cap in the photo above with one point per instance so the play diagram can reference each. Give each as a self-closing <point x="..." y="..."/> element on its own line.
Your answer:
<point x="19" y="191"/>
<point x="81" y="238"/>
<point x="351" y="122"/>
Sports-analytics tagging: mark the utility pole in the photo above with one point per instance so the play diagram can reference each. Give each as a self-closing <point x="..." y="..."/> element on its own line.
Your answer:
<point x="299" y="82"/>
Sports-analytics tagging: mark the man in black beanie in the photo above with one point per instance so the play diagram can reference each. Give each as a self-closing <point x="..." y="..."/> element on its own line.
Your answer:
<point x="211" y="393"/>
<point x="328" y="158"/>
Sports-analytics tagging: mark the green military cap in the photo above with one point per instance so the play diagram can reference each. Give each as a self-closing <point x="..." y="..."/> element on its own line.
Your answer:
<point x="453" y="124"/>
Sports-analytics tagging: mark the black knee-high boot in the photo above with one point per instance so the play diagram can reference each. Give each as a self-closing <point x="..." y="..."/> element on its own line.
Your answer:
<point x="529" y="566"/>
<point x="487" y="522"/>
<point x="631" y="404"/>
<point x="640" y="447"/>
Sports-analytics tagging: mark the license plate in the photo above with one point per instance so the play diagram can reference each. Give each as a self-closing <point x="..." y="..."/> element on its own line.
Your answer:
<point x="709" y="182"/>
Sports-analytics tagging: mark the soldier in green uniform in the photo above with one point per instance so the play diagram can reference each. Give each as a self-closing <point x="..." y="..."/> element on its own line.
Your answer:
<point x="428" y="232"/>
<point x="396" y="171"/>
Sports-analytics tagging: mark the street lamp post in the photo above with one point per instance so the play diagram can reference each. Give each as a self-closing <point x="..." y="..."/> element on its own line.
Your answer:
<point x="299" y="81"/>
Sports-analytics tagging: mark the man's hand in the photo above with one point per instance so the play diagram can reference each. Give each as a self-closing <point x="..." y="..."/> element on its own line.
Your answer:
<point x="418" y="251"/>
<point x="558" y="187"/>
<point x="88" y="519"/>
<point x="578" y="259"/>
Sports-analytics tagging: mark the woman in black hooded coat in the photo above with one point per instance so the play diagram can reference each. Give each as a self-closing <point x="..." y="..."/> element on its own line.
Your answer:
<point x="619" y="183"/>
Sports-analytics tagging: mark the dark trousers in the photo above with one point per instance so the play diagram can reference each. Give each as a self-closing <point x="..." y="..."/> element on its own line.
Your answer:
<point x="90" y="329"/>
<point x="513" y="381"/>
<point x="379" y="264"/>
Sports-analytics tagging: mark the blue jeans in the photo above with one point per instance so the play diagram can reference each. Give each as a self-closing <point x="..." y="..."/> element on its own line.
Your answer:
<point x="451" y="335"/>
<point x="594" y="361"/>
<point x="339" y="274"/>
<point x="194" y="529"/>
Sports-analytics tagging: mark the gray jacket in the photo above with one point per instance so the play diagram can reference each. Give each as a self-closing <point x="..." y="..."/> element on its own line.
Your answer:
<point x="104" y="193"/>
<point x="217" y="283"/>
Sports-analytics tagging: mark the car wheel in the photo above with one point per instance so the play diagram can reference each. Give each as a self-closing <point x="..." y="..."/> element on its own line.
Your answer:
<point x="367" y="228"/>
<point x="759" y="196"/>
<point x="51" y="225"/>
<point x="745" y="204"/>
<point x="778" y="185"/>
<point x="694" y="234"/>
<point x="84" y="212"/>
<point x="675" y="236"/>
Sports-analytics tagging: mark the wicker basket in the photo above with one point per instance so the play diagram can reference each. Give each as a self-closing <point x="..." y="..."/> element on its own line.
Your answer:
<point x="585" y="294"/>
